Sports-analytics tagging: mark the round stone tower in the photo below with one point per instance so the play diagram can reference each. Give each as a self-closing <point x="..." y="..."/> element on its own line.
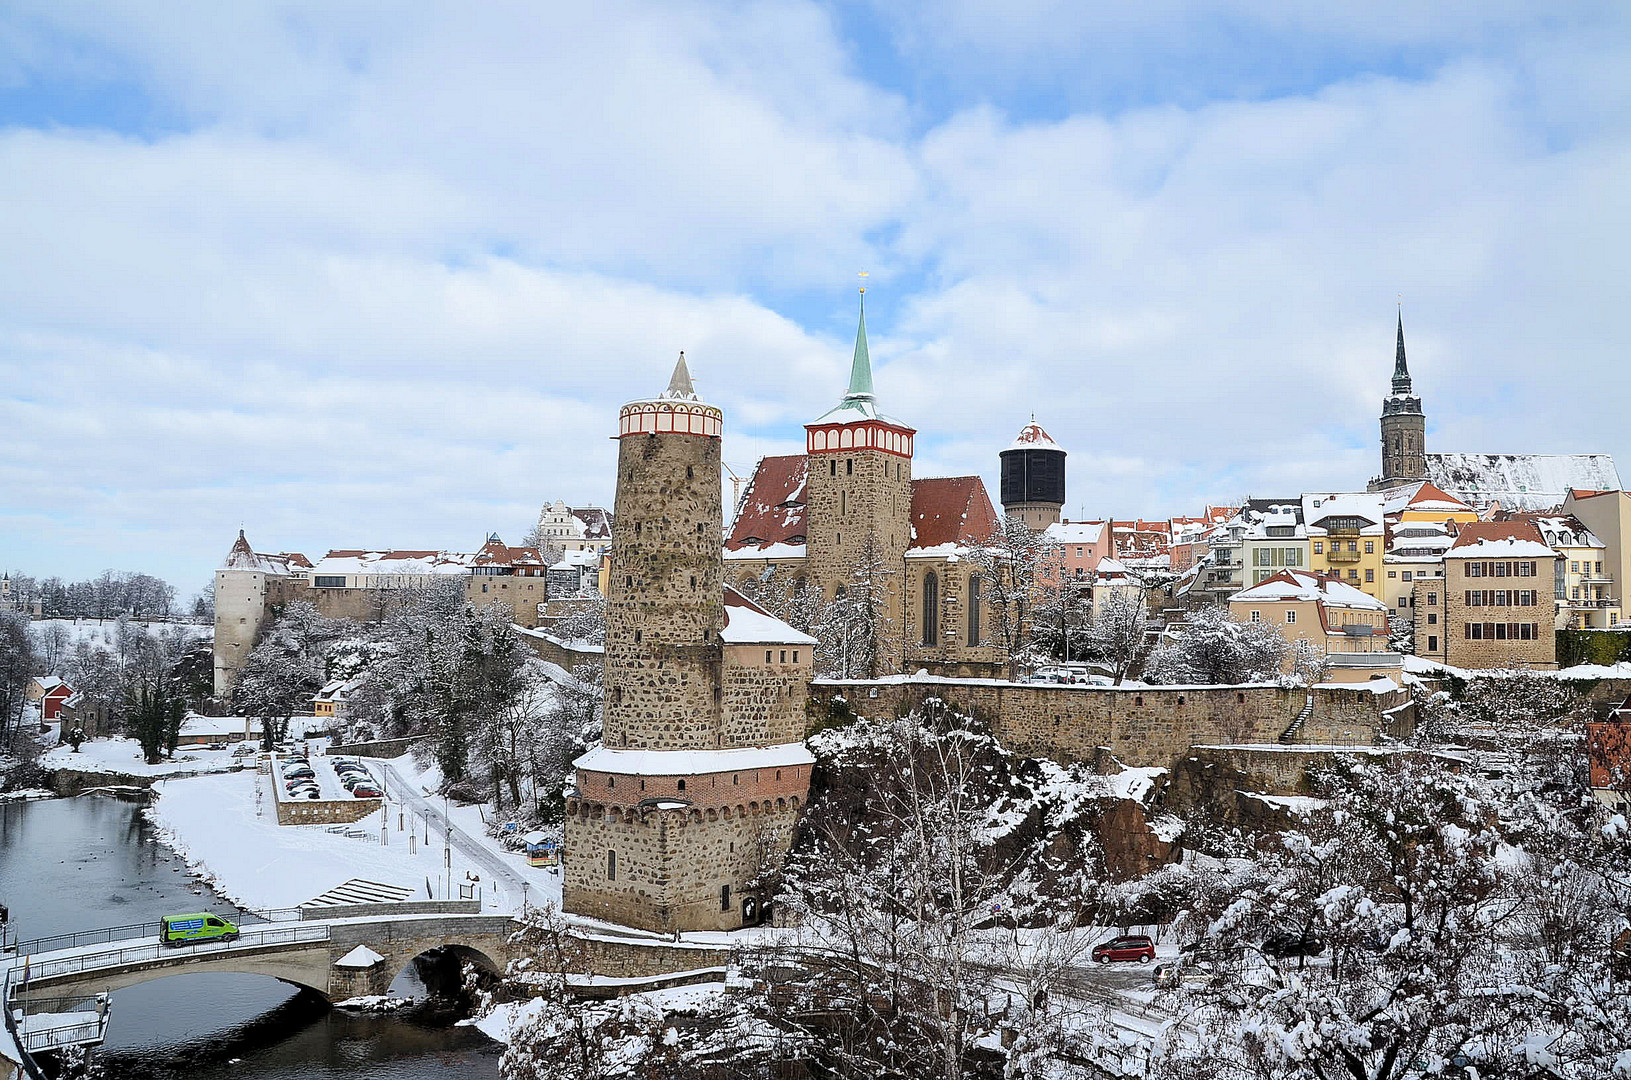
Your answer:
<point x="1033" y="478"/>
<point x="665" y="602"/>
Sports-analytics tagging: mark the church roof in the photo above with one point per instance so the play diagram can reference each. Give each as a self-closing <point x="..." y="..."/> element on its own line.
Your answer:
<point x="951" y="510"/>
<point x="1401" y="371"/>
<point x="1521" y="481"/>
<point x="772" y="506"/>
<point x="773" y="514"/>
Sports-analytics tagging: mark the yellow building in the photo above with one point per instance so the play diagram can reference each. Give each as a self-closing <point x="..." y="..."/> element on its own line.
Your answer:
<point x="1350" y="626"/>
<point x="1584" y="588"/>
<point x="1347" y="538"/>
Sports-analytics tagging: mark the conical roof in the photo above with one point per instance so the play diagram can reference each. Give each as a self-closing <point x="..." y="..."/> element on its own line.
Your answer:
<point x="1032" y="437"/>
<point x="680" y="387"/>
<point x="1401" y="371"/>
<point x="859" y="402"/>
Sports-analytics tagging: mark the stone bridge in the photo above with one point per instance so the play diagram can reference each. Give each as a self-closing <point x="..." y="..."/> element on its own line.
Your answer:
<point x="338" y="958"/>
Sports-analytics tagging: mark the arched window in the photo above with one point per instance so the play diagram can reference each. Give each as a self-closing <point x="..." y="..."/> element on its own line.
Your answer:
<point x="931" y="608"/>
<point x="974" y="584"/>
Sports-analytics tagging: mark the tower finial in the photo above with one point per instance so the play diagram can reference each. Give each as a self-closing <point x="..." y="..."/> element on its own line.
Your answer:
<point x="860" y="372"/>
<point x="680" y="387"/>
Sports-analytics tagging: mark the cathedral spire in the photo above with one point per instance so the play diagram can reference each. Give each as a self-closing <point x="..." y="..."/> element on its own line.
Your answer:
<point x="860" y="372"/>
<point x="680" y="387"/>
<point x="1401" y="373"/>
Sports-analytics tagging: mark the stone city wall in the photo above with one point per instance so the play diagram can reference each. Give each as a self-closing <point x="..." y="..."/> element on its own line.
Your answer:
<point x="1148" y="726"/>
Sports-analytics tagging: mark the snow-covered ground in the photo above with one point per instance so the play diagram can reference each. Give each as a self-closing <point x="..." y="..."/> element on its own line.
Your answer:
<point x="124" y="755"/>
<point x="101" y="631"/>
<point x="212" y="822"/>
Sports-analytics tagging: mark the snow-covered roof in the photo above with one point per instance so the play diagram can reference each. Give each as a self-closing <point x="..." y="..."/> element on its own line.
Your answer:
<point x="356" y="561"/>
<point x="1521" y="481"/>
<point x="47" y="683"/>
<point x="1032" y="437"/>
<point x="1074" y="532"/>
<point x="951" y="510"/>
<point x="693" y="762"/>
<point x="1301" y="585"/>
<point x="854" y="410"/>
<point x="243" y="557"/>
<point x="1500" y="540"/>
<point x="746" y="623"/>
<point x="1319" y="506"/>
<point x="771" y="511"/>
<point x="768" y="551"/>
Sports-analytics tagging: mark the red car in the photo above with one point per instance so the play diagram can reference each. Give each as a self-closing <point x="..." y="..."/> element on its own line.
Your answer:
<point x="364" y="791"/>
<point x="1133" y="947"/>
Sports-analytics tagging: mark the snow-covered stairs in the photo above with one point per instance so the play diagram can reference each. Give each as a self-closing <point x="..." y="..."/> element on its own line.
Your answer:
<point x="1289" y="735"/>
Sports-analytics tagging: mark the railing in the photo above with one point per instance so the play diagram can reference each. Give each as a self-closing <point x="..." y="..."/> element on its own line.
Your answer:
<point x="32" y="1070"/>
<point x="1593" y="604"/>
<point x="1343" y="556"/>
<point x="134" y="954"/>
<point x="63" y="1033"/>
<point x="56" y="942"/>
<point x="1378" y="659"/>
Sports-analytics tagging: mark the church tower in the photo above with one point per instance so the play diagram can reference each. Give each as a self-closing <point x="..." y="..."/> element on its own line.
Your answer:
<point x="859" y="496"/>
<point x="1033" y="478"/>
<point x="1404" y="428"/>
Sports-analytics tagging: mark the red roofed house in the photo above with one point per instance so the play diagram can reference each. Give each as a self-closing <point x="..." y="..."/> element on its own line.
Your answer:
<point x="1608" y="749"/>
<point x="49" y="692"/>
<point x="820" y="519"/>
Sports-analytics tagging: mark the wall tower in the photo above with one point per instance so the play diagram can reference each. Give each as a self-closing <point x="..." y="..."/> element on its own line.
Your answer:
<point x="703" y="772"/>
<point x="1404" y="427"/>
<point x="859" y="495"/>
<point x="1033" y="478"/>
<point x="665" y="607"/>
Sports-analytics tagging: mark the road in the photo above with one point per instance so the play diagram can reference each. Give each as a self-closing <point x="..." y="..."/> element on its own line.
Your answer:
<point x="488" y="860"/>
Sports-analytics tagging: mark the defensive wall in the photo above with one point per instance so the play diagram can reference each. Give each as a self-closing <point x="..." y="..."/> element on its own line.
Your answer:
<point x="560" y="653"/>
<point x="1140" y="726"/>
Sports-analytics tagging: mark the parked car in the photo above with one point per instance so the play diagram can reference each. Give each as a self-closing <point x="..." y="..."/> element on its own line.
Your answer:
<point x="1131" y="947"/>
<point x="1294" y="943"/>
<point x="216" y="746"/>
<point x="365" y="791"/>
<point x="1052" y="674"/>
<point x="299" y="772"/>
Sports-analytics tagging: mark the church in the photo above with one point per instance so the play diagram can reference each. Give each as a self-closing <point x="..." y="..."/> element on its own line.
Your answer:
<point x="850" y="506"/>
<point x="1511" y="481"/>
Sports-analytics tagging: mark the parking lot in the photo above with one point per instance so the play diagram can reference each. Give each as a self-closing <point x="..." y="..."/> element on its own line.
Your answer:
<point x="327" y="780"/>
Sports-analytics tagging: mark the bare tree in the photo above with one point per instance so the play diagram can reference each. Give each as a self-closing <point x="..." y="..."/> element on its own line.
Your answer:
<point x="1008" y="564"/>
<point x="1121" y="629"/>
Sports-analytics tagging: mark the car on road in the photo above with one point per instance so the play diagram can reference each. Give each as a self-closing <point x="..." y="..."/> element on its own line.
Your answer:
<point x="195" y="926"/>
<point x="1127" y="948"/>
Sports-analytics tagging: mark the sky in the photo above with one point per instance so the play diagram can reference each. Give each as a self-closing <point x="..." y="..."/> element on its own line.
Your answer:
<point x="377" y="274"/>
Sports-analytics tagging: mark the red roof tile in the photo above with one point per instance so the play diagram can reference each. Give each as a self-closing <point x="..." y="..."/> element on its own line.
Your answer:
<point x="951" y="510"/>
<point x="772" y="510"/>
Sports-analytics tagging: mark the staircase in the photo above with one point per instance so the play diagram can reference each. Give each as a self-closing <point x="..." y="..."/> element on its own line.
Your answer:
<point x="1289" y="735"/>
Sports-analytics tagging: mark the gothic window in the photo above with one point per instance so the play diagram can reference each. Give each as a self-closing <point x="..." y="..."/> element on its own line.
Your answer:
<point x="974" y="584"/>
<point x="931" y="608"/>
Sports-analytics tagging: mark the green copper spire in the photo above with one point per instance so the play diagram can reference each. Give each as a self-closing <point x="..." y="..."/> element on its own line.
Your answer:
<point x="1401" y="373"/>
<point x="860" y="373"/>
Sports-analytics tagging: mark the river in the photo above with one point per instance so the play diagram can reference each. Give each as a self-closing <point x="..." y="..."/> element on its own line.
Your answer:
<point x="78" y="864"/>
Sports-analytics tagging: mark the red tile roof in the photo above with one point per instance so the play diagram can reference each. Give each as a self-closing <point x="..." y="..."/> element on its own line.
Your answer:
<point x="772" y="510"/>
<point x="951" y="510"/>
<point x="1476" y="532"/>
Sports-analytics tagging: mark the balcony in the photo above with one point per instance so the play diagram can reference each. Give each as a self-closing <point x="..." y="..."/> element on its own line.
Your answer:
<point x="1343" y="556"/>
<point x="1590" y="604"/>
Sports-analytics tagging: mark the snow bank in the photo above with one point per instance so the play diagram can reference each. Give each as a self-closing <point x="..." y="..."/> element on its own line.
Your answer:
<point x="123" y="755"/>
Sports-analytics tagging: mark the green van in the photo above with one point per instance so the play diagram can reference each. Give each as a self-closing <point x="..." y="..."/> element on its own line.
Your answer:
<point x="198" y="926"/>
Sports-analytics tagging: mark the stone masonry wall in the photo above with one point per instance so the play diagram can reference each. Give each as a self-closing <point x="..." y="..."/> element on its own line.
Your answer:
<point x="1141" y="727"/>
<point x="851" y="495"/>
<point x="666" y="604"/>
<point x="952" y="652"/>
<point x="671" y="864"/>
<point x="764" y="694"/>
<point x="1539" y="653"/>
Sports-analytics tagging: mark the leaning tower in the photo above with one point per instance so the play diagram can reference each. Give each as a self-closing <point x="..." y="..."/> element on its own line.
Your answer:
<point x="694" y="793"/>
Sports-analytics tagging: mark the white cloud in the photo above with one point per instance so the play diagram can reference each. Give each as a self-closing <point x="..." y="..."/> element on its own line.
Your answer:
<point x="381" y="275"/>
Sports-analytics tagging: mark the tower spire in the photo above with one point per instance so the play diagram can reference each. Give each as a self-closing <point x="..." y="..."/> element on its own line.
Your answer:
<point x="680" y="387"/>
<point x="1401" y="372"/>
<point x="860" y="372"/>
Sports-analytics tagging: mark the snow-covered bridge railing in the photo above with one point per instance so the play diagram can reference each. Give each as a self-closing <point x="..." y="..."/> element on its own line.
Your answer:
<point x="34" y="967"/>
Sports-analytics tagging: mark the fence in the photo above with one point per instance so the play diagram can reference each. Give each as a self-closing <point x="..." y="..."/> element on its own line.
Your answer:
<point x="135" y="954"/>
